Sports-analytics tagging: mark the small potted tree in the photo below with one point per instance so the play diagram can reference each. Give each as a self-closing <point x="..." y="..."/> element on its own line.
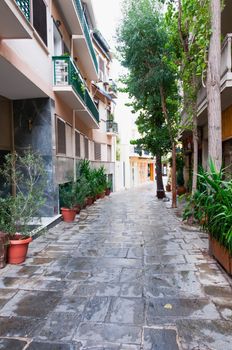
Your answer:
<point x="26" y="174"/>
<point x="68" y="201"/>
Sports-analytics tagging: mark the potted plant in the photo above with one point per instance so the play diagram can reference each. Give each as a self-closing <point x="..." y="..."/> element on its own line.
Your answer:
<point x="3" y="249"/>
<point x="26" y="174"/>
<point x="180" y="182"/>
<point x="211" y="204"/>
<point x="108" y="187"/>
<point x="68" y="201"/>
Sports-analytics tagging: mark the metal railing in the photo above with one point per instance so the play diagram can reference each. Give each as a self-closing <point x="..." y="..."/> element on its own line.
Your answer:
<point x="226" y="66"/>
<point x="25" y="7"/>
<point x="86" y="32"/>
<point x="111" y="126"/>
<point x="65" y="74"/>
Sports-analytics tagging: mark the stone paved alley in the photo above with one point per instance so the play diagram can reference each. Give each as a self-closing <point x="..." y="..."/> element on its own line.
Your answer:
<point x="127" y="276"/>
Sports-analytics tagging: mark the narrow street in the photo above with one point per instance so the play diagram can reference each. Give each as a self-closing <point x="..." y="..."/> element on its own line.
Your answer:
<point x="127" y="275"/>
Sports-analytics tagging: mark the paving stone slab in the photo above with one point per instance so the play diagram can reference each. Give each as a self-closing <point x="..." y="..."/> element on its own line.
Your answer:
<point x="100" y="333"/>
<point x="12" y="344"/>
<point x="128" y="311"/>
<point x="160" y="339"/>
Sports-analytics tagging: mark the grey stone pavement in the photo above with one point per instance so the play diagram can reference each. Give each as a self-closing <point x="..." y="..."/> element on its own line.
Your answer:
<point x="127" y="275"/>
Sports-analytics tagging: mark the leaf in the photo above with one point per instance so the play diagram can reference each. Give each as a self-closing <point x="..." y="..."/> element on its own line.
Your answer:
<point x="168" y="306"/>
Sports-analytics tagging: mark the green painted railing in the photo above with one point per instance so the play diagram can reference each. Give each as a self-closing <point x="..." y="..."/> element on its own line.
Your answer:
<point x="66" y="73"/>
<point x="111" y="126"/>
<point x="86" y="31"/>
<point x="91" y="105"/>
<point x="25" y="7"/>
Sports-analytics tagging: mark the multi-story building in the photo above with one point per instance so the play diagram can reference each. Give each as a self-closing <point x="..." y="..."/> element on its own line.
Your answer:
<point x="226" y="104"/>
<point x="48" y="102"/>
<point x="134" y="166"/>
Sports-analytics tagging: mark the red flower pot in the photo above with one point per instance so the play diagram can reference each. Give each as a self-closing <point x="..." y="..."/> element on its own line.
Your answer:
<point x="77" y="208"/>
<point x="89" y="201"/>
<point x="102" y="195"/>
<point x="3" y="249"/>
<point x="17" y="250"/>
<point x="68" y="214"/>
<point x="107" y="191"/>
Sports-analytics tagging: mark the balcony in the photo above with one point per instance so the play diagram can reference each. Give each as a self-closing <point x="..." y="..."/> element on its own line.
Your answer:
<point x="113" y="89"/>
<point x="14" y="19"/>
<point x="226" y="78"/>
<point x="82" y="42"/>
<point x="111" y="127"/>
<point x="70" y="87"/>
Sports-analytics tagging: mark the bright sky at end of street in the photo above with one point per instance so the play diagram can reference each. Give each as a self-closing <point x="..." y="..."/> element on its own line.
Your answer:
<point x="108" y="15"/>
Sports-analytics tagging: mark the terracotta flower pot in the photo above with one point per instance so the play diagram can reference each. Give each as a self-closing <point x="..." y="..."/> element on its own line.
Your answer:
<point x="89" y="201"/>
<point x="3" y="249"/>
<point x="181" y="190"/>
<point x="102" y="195"/>
<point x="17" y="249"/>
<point x="98" y="196"/>
<point x="107" y="192"/>
<point x="77" y="208"/>
<point x="68" y="214"/>
<point x="168" y="188"/>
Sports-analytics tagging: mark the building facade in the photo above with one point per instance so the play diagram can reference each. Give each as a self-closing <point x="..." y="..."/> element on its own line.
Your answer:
<point x="49" y="62"/>
<point x="134" y="166"/>
<point x="226" y="105"/>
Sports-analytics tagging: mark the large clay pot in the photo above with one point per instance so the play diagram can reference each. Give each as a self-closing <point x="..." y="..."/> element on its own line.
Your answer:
<point x="77" y="208"/>
<point x="3" y="249"/>
<point x="107" y="191"/>
<point x="17" y="249"/>
<point x="68" y="214"/>
<point x="221" y="254"/>
<point x="181" y="190"/>
<point x="102" y="195"/>
<point x="89" y="200"/>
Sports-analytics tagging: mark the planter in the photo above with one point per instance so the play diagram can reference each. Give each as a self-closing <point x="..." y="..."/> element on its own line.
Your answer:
<point x="181" y="190"/>
<point x="89" y="200"/>
<point x="3" y="249"/>
<point x="77" y="208"/>
<point x="17" y="249"/>
<point x="107" y="192"/>
<point x="221" y="254"/>
<point x="160" y="194"/>
<point x="68" y="214"/>
<point x="168" y="188"/>
<point x="102" y="195"/>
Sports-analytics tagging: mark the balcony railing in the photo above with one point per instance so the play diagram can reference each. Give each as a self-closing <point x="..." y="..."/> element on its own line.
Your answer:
<point x="86" y="31"/>
<point x="25" y="7"/>
<point x="111" y="126"/>
<point x="67" y="74"/>
<point x="226" y="65"/>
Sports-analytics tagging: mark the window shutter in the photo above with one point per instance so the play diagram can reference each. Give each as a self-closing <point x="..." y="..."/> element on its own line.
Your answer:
<point x="40" y="19"/>
<point x="61" y="138"/>
<point x="78" y="144"/>
<point x="86" y="148"/>
<point x="97" y="151"/>
<point x="109" y="156"/>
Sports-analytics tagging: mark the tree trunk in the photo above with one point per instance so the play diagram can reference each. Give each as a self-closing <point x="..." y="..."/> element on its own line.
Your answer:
<point x="159" y="177"/>
<point x="174" y="203"/>
<point x="213" y="87"/>
<point x="195" y="152"/>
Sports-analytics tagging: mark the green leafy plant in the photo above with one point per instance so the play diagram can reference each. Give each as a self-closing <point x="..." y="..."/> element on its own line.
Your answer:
<point x="68" y="195"/>
<point x="212" y="205"/>
<point x="26" y="175"/>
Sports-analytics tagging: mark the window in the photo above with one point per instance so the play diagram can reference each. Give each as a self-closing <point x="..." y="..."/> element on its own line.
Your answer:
<point x="40" y="19"/>
<point x="86" y="148"/>
<point x="109" y="153"/>
<point x="69" y="137"/>
<point x="57" y="40"/>
<point x="97" y="151"/>
<point x="78" y="144"/>
<point x="61" y="137"/>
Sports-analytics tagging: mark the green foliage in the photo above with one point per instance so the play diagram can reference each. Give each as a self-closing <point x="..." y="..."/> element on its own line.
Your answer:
<point x="67" y="195"/>
<point x="211" y="205"/>
<point x="26" y="175"/>
<point x="188" y="22"/>
<point x="145" y="51"/>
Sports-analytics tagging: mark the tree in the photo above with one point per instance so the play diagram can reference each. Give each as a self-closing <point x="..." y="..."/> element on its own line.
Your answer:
<point x="213" y="87"/>
<point x="152" y="78"/>
<point x="189" y="23"/>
